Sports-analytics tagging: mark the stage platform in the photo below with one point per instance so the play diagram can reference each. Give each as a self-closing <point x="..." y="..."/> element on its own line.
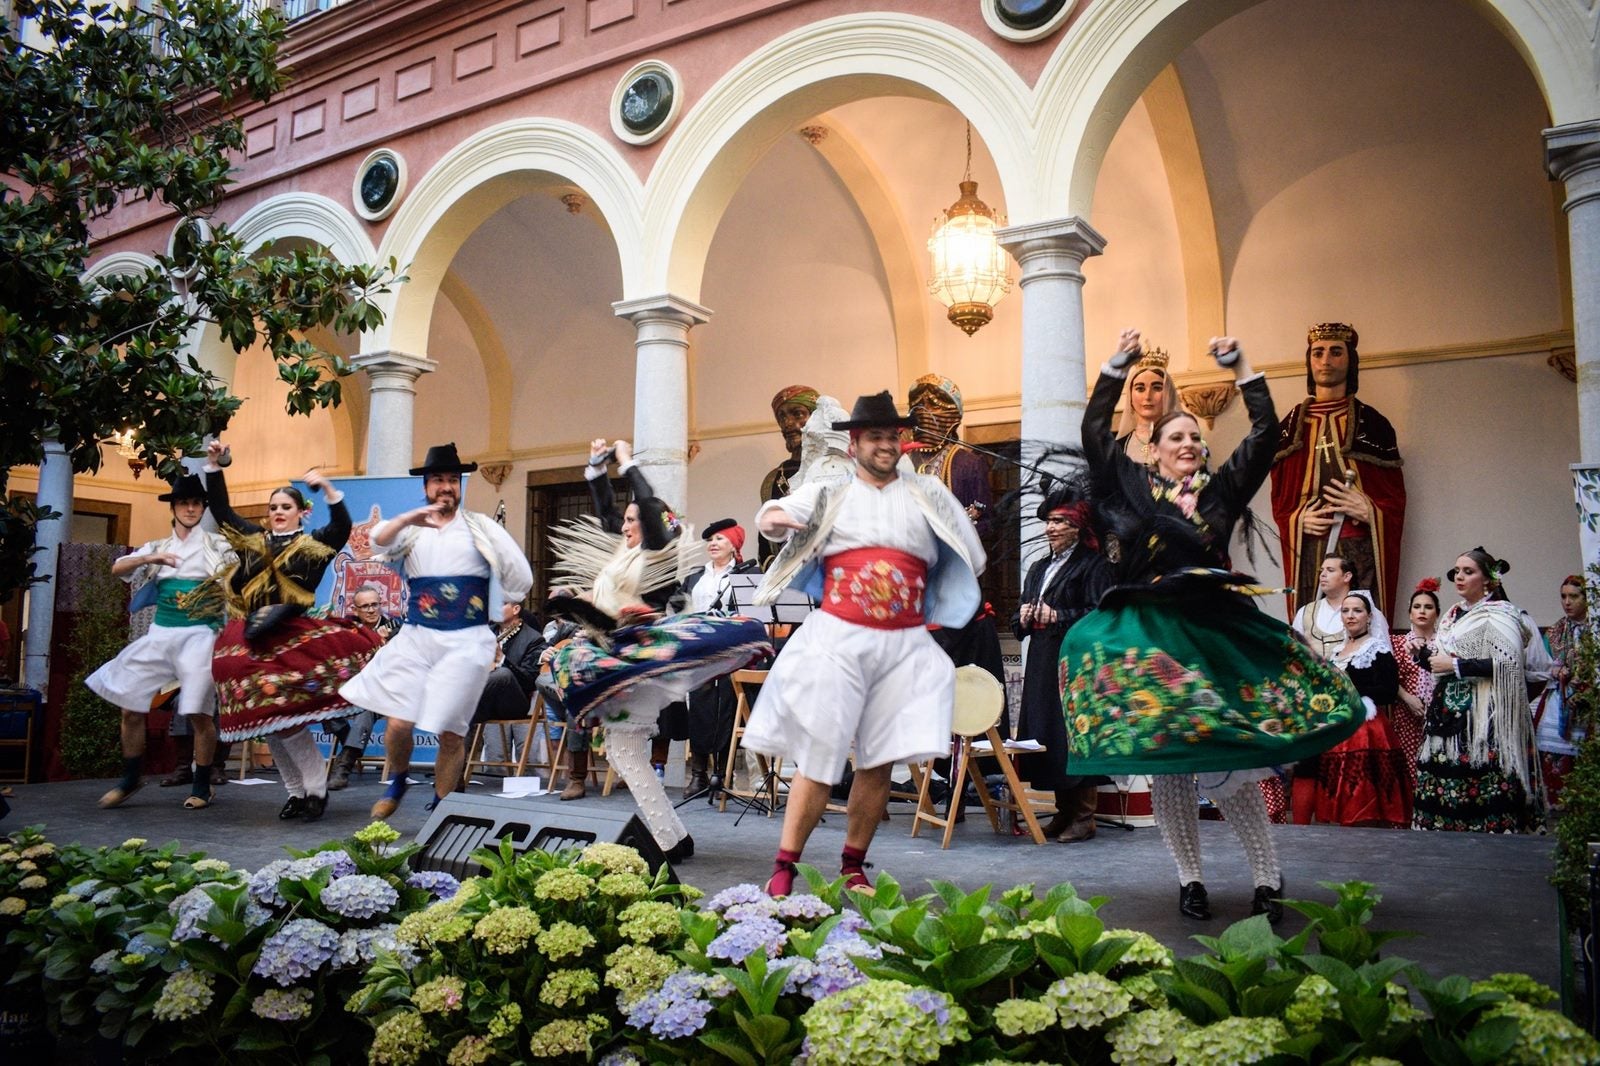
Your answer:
<point x="1482" y="903"/>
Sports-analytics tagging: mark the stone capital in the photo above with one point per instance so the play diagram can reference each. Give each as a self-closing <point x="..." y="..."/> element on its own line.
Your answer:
<point x="1572" y="156"/>
<point x="664" y="308"/>
<point x="392" y="365"/>
<point x="1053" y="248"/>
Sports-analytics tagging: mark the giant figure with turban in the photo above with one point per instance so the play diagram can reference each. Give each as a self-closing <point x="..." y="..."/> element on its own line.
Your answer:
<point x="790" y="407"/>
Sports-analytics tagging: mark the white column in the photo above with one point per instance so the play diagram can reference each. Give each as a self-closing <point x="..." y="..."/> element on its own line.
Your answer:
<point x="661" y="389"/>
<point x="1572" y="155"/>
<point x="1051" y="256"/>
<point x="392" y="386"/>
<point x="55" y="492"/>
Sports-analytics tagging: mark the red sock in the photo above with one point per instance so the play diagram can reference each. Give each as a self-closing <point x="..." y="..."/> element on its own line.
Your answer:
<point x="781" y="883"/>
<point x="852" y="864"/>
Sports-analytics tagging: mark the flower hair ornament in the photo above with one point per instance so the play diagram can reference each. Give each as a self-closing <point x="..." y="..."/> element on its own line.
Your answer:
<point x="1427" y="584"/>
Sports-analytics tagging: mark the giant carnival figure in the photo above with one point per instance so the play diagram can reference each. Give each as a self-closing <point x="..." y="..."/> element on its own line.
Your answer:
<point x="791" y="407"/>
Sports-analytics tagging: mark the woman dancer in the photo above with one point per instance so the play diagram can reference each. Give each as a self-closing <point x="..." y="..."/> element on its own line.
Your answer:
<point x="1177" y="673"/>
<point x="277" y="667"/>
<point x="1416" y="676"/>
<point x="1477" y="771"/>
<point x="622" y="568"/>
<point x="1556" y="711"/>
<point x="1365" y="781"/>
<point x="1151" y="395"/>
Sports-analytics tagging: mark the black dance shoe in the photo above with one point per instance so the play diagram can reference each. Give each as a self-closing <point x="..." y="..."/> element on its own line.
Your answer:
<point x="1193" y="903"/>
<point x="293" y="808"/>
<point x="1268" y="901"/>
<point x="683" y="849"/>
<point x="314" y="806"/>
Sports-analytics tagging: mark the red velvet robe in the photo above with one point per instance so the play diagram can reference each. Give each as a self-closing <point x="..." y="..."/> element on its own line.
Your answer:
<point x="1366" y="445"/>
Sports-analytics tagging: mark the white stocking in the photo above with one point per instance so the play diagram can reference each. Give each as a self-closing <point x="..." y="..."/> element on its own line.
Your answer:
<point x="1245" y="809"/>
<point x="288" y="769"/>
<point x="309" y="761"/>
<point x="1177" y="810"/>
<point x="628" y="749"/>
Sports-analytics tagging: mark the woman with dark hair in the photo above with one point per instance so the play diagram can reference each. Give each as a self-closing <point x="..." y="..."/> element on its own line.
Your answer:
<point x="633" y="658"/>
<point x="1178" y="674"/>
<point x="1365" y="780"/>
<point x="277" y="665"/>
<point x="1556" y="712"/>
<point x="1416" y="676"/>
<point x="1477" y="770"/>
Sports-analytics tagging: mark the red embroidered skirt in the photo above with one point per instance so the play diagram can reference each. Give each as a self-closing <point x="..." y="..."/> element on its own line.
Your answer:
<point x="288" y="677"/>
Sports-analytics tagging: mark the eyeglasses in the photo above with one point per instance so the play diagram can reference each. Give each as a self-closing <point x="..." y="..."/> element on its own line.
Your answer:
<point x="367" y="606"/>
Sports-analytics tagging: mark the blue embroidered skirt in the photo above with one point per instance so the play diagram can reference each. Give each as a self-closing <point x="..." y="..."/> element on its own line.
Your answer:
<point x="652" y="664"/>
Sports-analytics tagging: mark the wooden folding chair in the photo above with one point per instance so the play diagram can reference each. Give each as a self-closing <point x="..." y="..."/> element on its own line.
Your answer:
<point x="537" y="725"/>
<point x="765" y="791"/>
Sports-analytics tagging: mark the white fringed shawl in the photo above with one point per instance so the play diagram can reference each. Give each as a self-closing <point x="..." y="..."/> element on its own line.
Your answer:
<point x="1493" y="630"/>
<point x="615" y="575"/>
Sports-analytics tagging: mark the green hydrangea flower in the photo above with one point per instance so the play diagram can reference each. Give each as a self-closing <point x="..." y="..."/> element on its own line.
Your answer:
<point x="635" y="970"/>
<point x="1146" y="949"/>
<point x="1231" y="1041"/>
<point x="132" y="958"/>
<point x="133" y="843"/>
<point x="505" y="1021"/>
<point x="1518" y="986"/>
<point x="377" y="834"/>
<point x="649" y="920"/>
<point x="470" y="1051"/>
<point x="31" y="882"/>
<point x="212" y="866"/>
<point x="422" y="926"/>
<point x="1086" y="1000"/>
<point x="185" y="994"/>
<point x="1315" y="1000"/>
<point x="882" y="1021"/>
<point x="1147" y="1038"/>
<point x="1546" y="1038"/>
<point x="1144" y="990"/>
<point x="401" y="1040"/>
<point x="12" y="906"/>
<point x="615" y="859"/>
<point x="1401" y="1012"/>
<point x="1023" y="1017"/>
<point x="565" y="884"/>
<point x="564" y="940"/>
<point x="564" y="987"/>
<point x="39" y="851"/>
<point x="505" y="930"/>
<point x="1375" y="1060"/>
<point x="624" y="886"/>
<point x="441" y="995"/>
<point x="565" y="1036"/>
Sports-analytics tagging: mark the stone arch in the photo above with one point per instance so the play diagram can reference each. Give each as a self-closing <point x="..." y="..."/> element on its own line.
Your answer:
<point x="805" y="72"/>
<point x="310" y="217"/>
<point x="476" y="179"/>
<point x="1118" y="47"/>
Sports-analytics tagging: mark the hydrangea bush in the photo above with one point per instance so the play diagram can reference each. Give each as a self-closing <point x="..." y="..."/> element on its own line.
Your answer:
<point x="540" y="959"/>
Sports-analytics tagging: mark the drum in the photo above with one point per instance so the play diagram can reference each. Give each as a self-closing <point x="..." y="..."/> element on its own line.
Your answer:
<point x="980" y="699"/>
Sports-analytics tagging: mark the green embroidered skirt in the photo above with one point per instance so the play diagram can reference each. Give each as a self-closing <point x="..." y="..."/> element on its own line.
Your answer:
<point x="1184" y="676"/>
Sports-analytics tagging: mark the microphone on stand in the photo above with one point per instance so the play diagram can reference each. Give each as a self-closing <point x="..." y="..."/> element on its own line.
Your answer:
<point x="500" y="513"/>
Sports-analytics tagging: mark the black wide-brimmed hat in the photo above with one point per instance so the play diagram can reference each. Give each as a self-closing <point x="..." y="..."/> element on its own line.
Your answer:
<point x="719" y="526"/>
<point x="875" y="412"/>
<point x="442" y="459"/>
<point x="187" y="487"/>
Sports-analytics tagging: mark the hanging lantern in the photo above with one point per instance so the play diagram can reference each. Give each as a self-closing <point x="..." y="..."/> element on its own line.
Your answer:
<point x="970" y="271"/>
<point x="127" y="446"/>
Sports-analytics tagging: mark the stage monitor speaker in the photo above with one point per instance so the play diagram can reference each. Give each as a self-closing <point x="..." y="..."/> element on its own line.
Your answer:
<point x="463" y="823"/>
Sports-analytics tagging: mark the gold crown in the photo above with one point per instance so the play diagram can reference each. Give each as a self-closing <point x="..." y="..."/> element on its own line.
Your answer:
<point x="1153" y="359"/>
<point x="1331" y="331"/>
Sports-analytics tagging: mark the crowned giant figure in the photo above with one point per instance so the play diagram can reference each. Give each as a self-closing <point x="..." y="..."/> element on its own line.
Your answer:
<point x="792" y="406"/>
<point x="1337" y="485"/>
<point x="936" y="413"/>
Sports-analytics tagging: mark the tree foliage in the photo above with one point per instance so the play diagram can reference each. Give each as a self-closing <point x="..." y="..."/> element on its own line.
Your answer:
<point x="102" y="105"/>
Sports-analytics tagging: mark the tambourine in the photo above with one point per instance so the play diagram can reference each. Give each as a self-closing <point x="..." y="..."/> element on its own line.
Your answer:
<point x="980" y="699"/>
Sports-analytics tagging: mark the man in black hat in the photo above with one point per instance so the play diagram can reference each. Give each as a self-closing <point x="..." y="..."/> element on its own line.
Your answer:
<point x="177" y="647"/>
<point x="463" y="572"/>
<point x="885" y="555"/>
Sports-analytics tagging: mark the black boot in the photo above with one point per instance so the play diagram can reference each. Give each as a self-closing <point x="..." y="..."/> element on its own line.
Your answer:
<point x="339" y="777"/>
<point x="699" y="778"/>
<point x="1268" y="901"/>
<point x="1192" y="901"/>
<point x="293" y="807"/>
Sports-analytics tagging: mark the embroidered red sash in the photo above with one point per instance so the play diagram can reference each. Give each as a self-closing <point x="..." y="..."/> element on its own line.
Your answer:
<point x="876" y="587"/>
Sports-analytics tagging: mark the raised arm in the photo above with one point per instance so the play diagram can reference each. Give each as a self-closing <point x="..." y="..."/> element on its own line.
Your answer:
<point x="1099" y="444"/>
<point x="653" y="528"/>
<point x="336" y="533"/>
<point x="1247" y="468"/>
<point x="217" y="502"/>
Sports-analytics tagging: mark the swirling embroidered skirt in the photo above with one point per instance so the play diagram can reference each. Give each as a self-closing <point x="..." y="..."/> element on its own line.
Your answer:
<point x="650" y="665"/>
<point x="1185" y="676"/>
<point x="287" y="677"/>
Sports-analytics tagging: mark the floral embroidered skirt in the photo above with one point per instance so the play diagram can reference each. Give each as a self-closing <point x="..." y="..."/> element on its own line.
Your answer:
<point x="652" y="664"/>
<point x="1454" y="795"/>
<point x="1185" y="676"/>
<point x="287" y="677"/>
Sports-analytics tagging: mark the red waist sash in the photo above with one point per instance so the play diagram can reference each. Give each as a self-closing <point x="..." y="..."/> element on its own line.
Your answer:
<point x="877" y="587"/>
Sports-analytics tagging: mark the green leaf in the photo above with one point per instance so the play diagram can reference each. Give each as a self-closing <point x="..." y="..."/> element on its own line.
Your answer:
<point x="1490" y="1041"/>
<point x="726" y="1042"/>
<point x="972" y="968"/>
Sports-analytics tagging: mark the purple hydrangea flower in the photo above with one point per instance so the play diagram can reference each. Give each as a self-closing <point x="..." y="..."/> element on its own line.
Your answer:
<point x="765" y="907"/>
<point x="191" y="908"/>
<point x="728" y="897"/>
<point x="441" y="884"/>
<point x="359" y="896"/>
<point x="679" y="1008"/>
<point x="738" y="941"/>
<point x="296" y="951"/>
<point x="930" y="1002"/>
<point x="358" y="947"/>
<point x="850" y="924"/>
<point x="804" y="907"/>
